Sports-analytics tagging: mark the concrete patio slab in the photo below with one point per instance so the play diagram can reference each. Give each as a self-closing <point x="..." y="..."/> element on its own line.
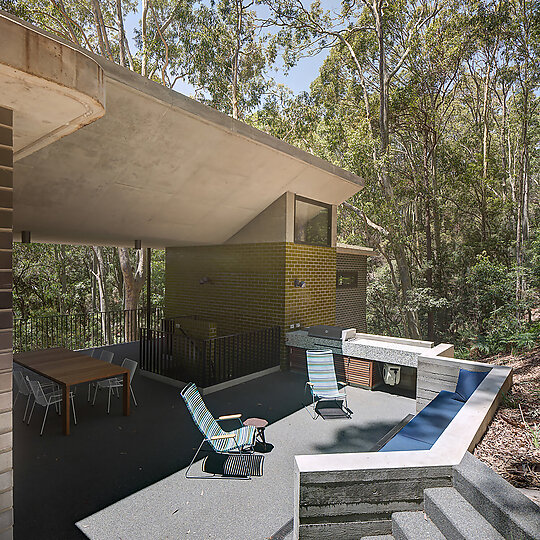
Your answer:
<point x="261" y="508"/>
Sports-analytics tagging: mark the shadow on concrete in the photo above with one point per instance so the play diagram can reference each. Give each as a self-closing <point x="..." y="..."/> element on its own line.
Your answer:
<point x="60" y="480"/>
<point x="356" y="438"/>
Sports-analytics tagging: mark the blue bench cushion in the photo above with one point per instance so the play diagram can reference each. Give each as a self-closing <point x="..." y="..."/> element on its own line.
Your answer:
<point x="401" y="442"/>
<point x="433" y="419"/>
<point x="468" y="382"/>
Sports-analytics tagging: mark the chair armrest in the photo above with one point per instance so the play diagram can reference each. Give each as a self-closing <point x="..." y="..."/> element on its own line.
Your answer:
<point x="230" y="417"/>
<point x="220" y="437"/>
<point x="342" y="384"/>
<point x="309" y="383"/>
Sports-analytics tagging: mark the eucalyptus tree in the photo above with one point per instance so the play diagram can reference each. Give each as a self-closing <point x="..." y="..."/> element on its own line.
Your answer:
<point x="370" y="41"/>
<point x="220" y="49"/>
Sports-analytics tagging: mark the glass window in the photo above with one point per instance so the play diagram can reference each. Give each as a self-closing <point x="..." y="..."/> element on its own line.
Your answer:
<point x="347" y="279"/>
<point x="311" y="222"/>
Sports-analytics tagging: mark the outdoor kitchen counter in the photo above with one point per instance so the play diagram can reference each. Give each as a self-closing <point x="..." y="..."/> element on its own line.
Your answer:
<point x="398" y="351"/>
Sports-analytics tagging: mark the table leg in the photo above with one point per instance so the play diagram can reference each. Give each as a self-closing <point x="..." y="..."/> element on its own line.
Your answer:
<point x="125" y="394"/>
<point x="65" y="409"/>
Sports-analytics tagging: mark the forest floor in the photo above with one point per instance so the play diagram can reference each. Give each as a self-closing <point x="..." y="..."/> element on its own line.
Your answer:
<point x="511" y="444"/>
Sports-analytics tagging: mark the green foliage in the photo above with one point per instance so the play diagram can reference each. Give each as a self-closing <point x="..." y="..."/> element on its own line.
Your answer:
<point x="451" y="196"/>
<point x="49" y="279"/>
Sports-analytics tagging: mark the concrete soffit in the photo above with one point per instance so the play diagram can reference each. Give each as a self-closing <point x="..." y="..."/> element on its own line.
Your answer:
<point x="52" y="88"/>
<point x="159" y="166"/>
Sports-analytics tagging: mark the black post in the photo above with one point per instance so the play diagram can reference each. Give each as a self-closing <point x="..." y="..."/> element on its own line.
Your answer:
<point x="148" y="288"/>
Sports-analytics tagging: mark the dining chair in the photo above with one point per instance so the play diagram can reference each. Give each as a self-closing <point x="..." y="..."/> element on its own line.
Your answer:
<point x="107" y="356"/>
<point x="100" y="354"/>
<point x="46" y="399"/>
<point x="92" y="353"/>
<point x="22" y="387"/>
<point x="117" y="382"/>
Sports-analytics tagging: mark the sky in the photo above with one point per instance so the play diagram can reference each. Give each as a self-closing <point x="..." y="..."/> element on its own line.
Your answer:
<point x="298" y="79"/>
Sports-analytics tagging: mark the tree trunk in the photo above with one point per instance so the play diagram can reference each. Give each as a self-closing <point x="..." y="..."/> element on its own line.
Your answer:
<point x="411" y="318"/>
<point x="101" y="274"/>
<point x="121" y="34"/>
<point x="236" y="59"/>
<point x="144" y="36"/>
<point x="133" y="285"/>
<point x="429" y="249"/>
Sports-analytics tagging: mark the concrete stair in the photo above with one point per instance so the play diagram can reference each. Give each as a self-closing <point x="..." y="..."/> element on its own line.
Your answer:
<point x="456" y="518"/>
<point x="414" y="525"/>
<point x="480" y="506"/>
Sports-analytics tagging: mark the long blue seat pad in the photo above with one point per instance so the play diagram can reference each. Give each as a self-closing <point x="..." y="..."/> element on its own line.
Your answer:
<point x="400" y="443"/>
<point x="468" y="382"/>
<point x="433" y="419"/>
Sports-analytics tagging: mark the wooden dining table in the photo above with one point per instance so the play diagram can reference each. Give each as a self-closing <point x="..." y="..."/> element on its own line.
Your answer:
<point x="69" y="368"/>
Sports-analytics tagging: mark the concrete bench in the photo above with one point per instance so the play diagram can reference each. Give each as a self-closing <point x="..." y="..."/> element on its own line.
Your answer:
<point x="426" y="427"/>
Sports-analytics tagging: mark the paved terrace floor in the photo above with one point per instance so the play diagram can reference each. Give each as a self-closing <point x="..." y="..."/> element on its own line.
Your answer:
<point x="123" y="477"/>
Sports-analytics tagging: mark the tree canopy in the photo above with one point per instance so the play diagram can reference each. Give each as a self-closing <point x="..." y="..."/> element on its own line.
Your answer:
<point x="434" y="103"/>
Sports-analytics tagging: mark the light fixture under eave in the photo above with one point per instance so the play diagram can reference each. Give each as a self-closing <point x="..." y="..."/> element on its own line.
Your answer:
<point x="138" y="244"/>
<point x="25" y="237"/>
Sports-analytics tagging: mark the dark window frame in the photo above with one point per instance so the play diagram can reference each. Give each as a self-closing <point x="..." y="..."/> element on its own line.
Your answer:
<point x="348" y="274"/>
<point x="321" y="205"/>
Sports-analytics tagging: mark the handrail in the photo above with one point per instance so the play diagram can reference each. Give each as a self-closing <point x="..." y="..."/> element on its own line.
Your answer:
<point x="80" y="330"/>
<point x="209" y="361"/>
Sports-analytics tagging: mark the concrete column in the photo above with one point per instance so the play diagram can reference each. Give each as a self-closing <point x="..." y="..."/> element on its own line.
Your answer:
<point x="6" y="323"/>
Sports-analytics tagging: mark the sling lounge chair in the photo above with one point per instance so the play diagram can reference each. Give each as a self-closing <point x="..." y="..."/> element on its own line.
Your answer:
<point x="235" y="446"/>
<point x="323" y="383"/>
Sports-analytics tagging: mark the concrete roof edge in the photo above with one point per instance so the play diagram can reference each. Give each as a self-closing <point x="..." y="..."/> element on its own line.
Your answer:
<point x="355" y="250"/>
<point x="191" y="106"/>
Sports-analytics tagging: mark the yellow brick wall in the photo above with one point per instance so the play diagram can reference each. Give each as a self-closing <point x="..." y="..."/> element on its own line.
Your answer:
<point x="252" y="285"/>
<point x="316" y="302"/>
<point x="245" y="291"/>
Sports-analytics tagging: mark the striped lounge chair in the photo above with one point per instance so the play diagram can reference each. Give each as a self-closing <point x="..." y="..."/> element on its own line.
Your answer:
<point x="235" y="446"/>
<point x="322" y="380"/>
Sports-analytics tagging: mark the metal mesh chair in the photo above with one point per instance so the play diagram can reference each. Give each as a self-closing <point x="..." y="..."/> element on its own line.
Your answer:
<point x="46" y="399"/>
<point x="107" y="356"/>
<point x="322" y="379"/>
<point x="236" y="442"/>
<point x="22" y="387"/>
<point x="117" y="382"/>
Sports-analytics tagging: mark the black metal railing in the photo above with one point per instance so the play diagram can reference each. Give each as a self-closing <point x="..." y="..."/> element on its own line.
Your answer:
<point x="81" y="330"/>
<point x="209" y="361"/>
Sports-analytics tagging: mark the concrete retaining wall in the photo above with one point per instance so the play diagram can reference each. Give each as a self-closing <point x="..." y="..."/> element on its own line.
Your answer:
<point x="435" y="373"/>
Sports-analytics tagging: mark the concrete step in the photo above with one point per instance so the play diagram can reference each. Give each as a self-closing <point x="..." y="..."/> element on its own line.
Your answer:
<point x="513" y="514"/>
<point x="456" y="518"/>
<point x="379" y="537"/>
<point x="414" y="526"/>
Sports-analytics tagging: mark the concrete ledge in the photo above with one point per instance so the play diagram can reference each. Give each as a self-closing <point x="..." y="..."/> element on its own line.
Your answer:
<point x="214" y="388"/>
<point x="162" y="379"/>
<point x="239" y="380"/>
<point x="398" y="340"/>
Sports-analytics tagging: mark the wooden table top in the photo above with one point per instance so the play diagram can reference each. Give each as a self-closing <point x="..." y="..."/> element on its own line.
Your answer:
<point x="67" y="367"/>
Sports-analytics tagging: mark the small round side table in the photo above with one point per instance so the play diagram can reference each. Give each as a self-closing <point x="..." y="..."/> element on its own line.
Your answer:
<point x="260" y="424"/>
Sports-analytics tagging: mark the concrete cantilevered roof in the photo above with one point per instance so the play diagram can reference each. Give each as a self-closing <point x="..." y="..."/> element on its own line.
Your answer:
<point x="157" y="166"/>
